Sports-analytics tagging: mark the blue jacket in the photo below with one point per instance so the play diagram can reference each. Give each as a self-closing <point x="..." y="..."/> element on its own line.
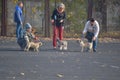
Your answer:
<point x="18" y="16"/>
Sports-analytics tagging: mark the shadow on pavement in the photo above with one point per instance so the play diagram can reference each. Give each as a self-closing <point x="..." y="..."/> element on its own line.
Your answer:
<point x="9" y="49"/>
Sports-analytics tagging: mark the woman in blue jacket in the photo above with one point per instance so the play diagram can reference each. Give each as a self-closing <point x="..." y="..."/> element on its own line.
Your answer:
<point x="18" y="18"/>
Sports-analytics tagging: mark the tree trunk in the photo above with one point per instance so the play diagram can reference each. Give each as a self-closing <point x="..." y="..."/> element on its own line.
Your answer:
<point x="89" y="8"/>
<point x="47" y="19"/>
<point x="104" y="15"/>
<point x="101" y="13"/>
<point x="4" y="18"/>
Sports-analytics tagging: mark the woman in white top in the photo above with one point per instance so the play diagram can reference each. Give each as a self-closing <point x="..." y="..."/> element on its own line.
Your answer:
<point x="92" y="30"/>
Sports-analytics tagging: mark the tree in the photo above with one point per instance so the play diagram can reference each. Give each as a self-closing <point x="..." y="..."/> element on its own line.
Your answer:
<point x="47" y="19"/>
<point x="3" y="18"/>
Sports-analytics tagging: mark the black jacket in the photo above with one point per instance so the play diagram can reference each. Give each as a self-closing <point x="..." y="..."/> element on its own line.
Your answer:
<point x="58" y="17"/>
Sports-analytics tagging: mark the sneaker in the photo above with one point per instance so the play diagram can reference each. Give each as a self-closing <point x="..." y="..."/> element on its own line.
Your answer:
<point x="94" y="50"/>
<point x="54" y="47"/>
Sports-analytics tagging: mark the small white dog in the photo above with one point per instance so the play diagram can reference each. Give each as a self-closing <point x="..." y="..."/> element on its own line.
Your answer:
<point x="62" y="44"/>
<point x="85" y="45"/>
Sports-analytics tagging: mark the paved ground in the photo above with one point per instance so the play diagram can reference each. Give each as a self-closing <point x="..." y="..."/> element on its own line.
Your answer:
<point x="49" y="64"/>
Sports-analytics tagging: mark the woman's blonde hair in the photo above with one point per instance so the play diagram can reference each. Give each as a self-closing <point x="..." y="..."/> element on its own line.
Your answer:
<point x="61" y="5"/>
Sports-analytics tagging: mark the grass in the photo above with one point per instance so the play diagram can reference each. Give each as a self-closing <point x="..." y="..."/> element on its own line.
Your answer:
<point x="112" y="34"/>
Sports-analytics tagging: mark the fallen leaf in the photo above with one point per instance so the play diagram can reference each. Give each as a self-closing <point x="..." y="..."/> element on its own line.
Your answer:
<point x="59" y="75"/>
<point x="75" y="76"/>
<point x="62" y="53"/>
<point x="13" y="77"/>
<point x="63" y="61"/>
<point x="22" y="74"/>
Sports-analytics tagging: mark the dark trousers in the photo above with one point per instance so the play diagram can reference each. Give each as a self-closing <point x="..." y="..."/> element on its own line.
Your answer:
<point x="95" y="44"/>
<point x="22" y="43"/>
<point x="89" y="36"/>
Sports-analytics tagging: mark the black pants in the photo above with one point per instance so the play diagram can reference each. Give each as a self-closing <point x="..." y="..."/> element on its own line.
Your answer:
<point x="89" y="36"/>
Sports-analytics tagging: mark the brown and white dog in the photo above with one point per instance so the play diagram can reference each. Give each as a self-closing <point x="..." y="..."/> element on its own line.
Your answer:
<point x="84" y="45"/>
<point x="34" y="45"/>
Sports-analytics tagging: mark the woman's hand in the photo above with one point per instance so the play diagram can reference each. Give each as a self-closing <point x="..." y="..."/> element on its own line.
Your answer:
<point x="52" y="21"/>
<point x="94" y="38"/>
<point x="61" y="21"/>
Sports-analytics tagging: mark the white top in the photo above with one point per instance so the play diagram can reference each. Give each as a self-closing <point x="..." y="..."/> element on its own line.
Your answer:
<point x="95" y="28"/>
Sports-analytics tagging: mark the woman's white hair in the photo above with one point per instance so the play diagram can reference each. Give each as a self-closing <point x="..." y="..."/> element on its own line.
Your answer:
<point x="61" y="5"/>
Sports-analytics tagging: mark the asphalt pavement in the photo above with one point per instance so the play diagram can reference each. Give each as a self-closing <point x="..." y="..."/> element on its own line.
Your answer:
<point x="50" y="64"/>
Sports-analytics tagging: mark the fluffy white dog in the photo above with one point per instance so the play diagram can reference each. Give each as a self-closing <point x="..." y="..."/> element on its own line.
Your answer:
<point x="63" y="45"/>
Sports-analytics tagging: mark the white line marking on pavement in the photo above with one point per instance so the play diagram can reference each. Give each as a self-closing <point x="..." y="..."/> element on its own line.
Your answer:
<point x="105" y="65"/>
<point x="117" y="67"/>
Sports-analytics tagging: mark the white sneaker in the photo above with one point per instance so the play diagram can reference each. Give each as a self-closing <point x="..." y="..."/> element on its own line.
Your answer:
<point x="54" y="47"/>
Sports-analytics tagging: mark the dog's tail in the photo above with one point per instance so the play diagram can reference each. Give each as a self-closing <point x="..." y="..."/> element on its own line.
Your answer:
<point x="40" y="44"/>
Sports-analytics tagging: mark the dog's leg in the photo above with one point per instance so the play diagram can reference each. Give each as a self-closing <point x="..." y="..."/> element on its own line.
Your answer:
<point x="25" y="49"/>
<point x="65" y="48"/>
<point x="36" y="49"/>
<point x="82" y="48"/>
<point x="28" y="47"/>
<point x="61" y="47"/>
<point x="90" y="46"/>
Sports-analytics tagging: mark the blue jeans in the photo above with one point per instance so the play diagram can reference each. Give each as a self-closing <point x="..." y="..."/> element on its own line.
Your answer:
<point x="89" y="37"/>
<point x="22" y="43"/>
<point x="18" y="30"/>
<point x="95" y="44"/>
